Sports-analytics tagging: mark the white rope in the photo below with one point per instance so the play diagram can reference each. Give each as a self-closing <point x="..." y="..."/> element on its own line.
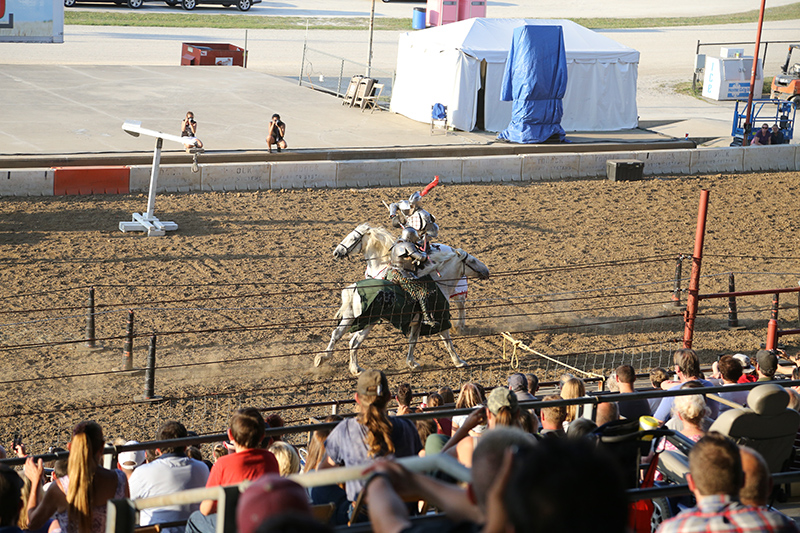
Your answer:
<point x="507" y="336"/>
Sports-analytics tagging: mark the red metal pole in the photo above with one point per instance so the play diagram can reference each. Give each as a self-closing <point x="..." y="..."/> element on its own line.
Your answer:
<point x="694" y="280"/>
<point x="772" y="334"/>
<point x="747" y="125"/>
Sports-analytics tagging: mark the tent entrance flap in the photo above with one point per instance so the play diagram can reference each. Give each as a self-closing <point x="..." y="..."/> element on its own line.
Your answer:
<point x="480" y="108"/>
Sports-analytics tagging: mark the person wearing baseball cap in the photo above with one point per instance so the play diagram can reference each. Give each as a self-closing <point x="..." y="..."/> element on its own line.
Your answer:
<point x="502" y="409"/>
<point x="268" y="497"/>
<point x="128" y="461"/>
<point x="372" y="433"/>
<point x="766" y="365"/>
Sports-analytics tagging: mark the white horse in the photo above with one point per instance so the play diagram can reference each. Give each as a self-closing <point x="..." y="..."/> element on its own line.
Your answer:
<point x="446" y="267"/>
<point x="375" y="244"/>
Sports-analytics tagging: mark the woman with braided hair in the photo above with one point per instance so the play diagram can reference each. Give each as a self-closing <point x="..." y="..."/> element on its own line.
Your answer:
<point x="78" y="499"/>
<point x="372" y="433"/>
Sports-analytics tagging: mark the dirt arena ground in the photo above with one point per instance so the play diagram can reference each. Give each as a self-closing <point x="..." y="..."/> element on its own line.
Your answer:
<point x="243" y="294"/>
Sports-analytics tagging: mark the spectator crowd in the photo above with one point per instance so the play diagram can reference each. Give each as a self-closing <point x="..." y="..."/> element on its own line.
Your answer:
<point x="536" y="463"/>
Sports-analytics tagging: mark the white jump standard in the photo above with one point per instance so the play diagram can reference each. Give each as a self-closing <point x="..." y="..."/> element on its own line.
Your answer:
<point x="147" y="221"/>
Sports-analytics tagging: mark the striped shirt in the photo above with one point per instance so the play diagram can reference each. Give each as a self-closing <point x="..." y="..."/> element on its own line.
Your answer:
<point x="722" y="514"/>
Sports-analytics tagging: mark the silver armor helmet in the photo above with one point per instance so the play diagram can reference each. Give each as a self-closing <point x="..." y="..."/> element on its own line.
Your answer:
<point x="415" y="200"/>
<point x="409" y="234"/>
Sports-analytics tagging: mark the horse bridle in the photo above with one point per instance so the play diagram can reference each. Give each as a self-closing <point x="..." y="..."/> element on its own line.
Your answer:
<point x="350" y="248"/>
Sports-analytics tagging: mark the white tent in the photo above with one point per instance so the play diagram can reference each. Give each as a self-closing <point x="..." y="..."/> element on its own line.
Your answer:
<point x="449" y="64"/>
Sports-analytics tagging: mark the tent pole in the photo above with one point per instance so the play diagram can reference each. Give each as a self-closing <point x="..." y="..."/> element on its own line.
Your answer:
<point x="371" y="31"/>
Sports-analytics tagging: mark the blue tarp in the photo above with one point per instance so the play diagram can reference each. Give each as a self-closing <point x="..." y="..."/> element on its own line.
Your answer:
<point x="536" y="80"/>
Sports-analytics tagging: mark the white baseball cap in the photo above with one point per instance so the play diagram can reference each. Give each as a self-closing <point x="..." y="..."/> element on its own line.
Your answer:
<point x="130" y="460"/>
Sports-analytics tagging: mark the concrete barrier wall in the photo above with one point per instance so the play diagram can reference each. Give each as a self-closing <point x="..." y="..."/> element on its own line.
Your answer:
<point x="310" y="175"/>
<point x="236" y="176"/>
<point x="171" y="178"/>
<point x="422" y="171"/>
<point x="27" y="182"/>
<point x="419" y="172"/>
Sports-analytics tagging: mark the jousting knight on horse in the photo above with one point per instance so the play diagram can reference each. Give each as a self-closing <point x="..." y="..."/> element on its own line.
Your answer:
<point x="411" y="250"/>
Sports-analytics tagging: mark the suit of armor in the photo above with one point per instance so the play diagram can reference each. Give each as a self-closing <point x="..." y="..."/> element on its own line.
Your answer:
<point x="406" y="258"/>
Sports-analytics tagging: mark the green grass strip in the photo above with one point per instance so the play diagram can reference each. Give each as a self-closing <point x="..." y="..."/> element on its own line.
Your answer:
<point x="183" y="19"/>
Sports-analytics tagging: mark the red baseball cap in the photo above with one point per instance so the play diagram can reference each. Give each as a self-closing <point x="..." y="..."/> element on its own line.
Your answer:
<point x="268" y="496"/>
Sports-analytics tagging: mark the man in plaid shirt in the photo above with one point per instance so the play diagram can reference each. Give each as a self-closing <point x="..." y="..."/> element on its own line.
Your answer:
<point x="715" y="477"/>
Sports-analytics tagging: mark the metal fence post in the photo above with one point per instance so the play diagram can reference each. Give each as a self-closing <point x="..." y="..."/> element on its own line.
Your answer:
<point x="733" y="314"/>
<point x="127" y="353"/>
<point x="90" y="336"/>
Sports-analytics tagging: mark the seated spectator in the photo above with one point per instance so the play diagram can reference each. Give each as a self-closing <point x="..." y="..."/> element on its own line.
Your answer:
<point x="171" y="471"/>
<point x="10" y="500"/>
<point x="692" y="412"/>
<point x="560" y="486"/>
<point x="447" y="395"/>
<point x="218" y="451"/>
<point x="553" y="417"/>
<point x="22" y="522"/>
<point x="432" y="442"/>
<point x="579" y="428"/>
<point x="79" y="500"/>
<point x="749" y="374"/>
<point x="533" y="384"/>
<point x="571" y="388"/>
<point x="129" y="461"/>
<point x="794" y="398"/>
<point x="249" y="462"/>
<point x="466" y="508"/>
<point x="287" y="456"/>
<point x="606" y="412"/>
<point x="730" y="370"/>
<point x="518" y="384"/>
<point x="501" y="409"/>
<point x="469" y="396"/>
<point x="757" y="485"/>
<point x="766" y="365"/>
<point x="687" y="368"/>
<point x="762" y="137"/>
<point x="269" y="496"/>
<point x="444" y="426"/>
<point x="630" y="409"/>
<point x="274" y="421"/>
<point x="372" y="433"/>
<point x="328" y="493"/>
<point x="529" y="421"/>
<point x="777" y="136"/>
<point x="404" y="398"/>
<point x="715" y="477"/>
<point x="658" y="376"/>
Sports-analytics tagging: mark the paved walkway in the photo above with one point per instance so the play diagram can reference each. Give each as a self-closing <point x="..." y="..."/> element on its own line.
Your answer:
<point x="74" y="97"/>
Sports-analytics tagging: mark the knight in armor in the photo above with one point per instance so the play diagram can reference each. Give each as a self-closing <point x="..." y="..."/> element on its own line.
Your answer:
<point x="406" y="259"/>
<point x="409" y="213"/>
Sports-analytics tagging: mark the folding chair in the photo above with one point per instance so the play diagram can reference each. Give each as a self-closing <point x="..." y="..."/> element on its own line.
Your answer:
<point x="439" y="115"/>
<point x="363" y="91"/>
<point x="371" y="101"/>
<point x="350" y="94"/>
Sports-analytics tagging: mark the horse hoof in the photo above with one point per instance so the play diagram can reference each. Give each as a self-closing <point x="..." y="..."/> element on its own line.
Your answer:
<point x="414" y="365"/>
<point x="319" y="359"/>
<point x="462" y="364"/>
<point x="356" y="370"/>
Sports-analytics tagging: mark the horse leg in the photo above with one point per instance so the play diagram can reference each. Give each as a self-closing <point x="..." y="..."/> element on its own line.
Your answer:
<point x="355" y="342"/>
<point x="413" y="337"/>
<point x="460" y="303"/>
<point x="448" y="343"/>
<point x="337" y="334"/>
